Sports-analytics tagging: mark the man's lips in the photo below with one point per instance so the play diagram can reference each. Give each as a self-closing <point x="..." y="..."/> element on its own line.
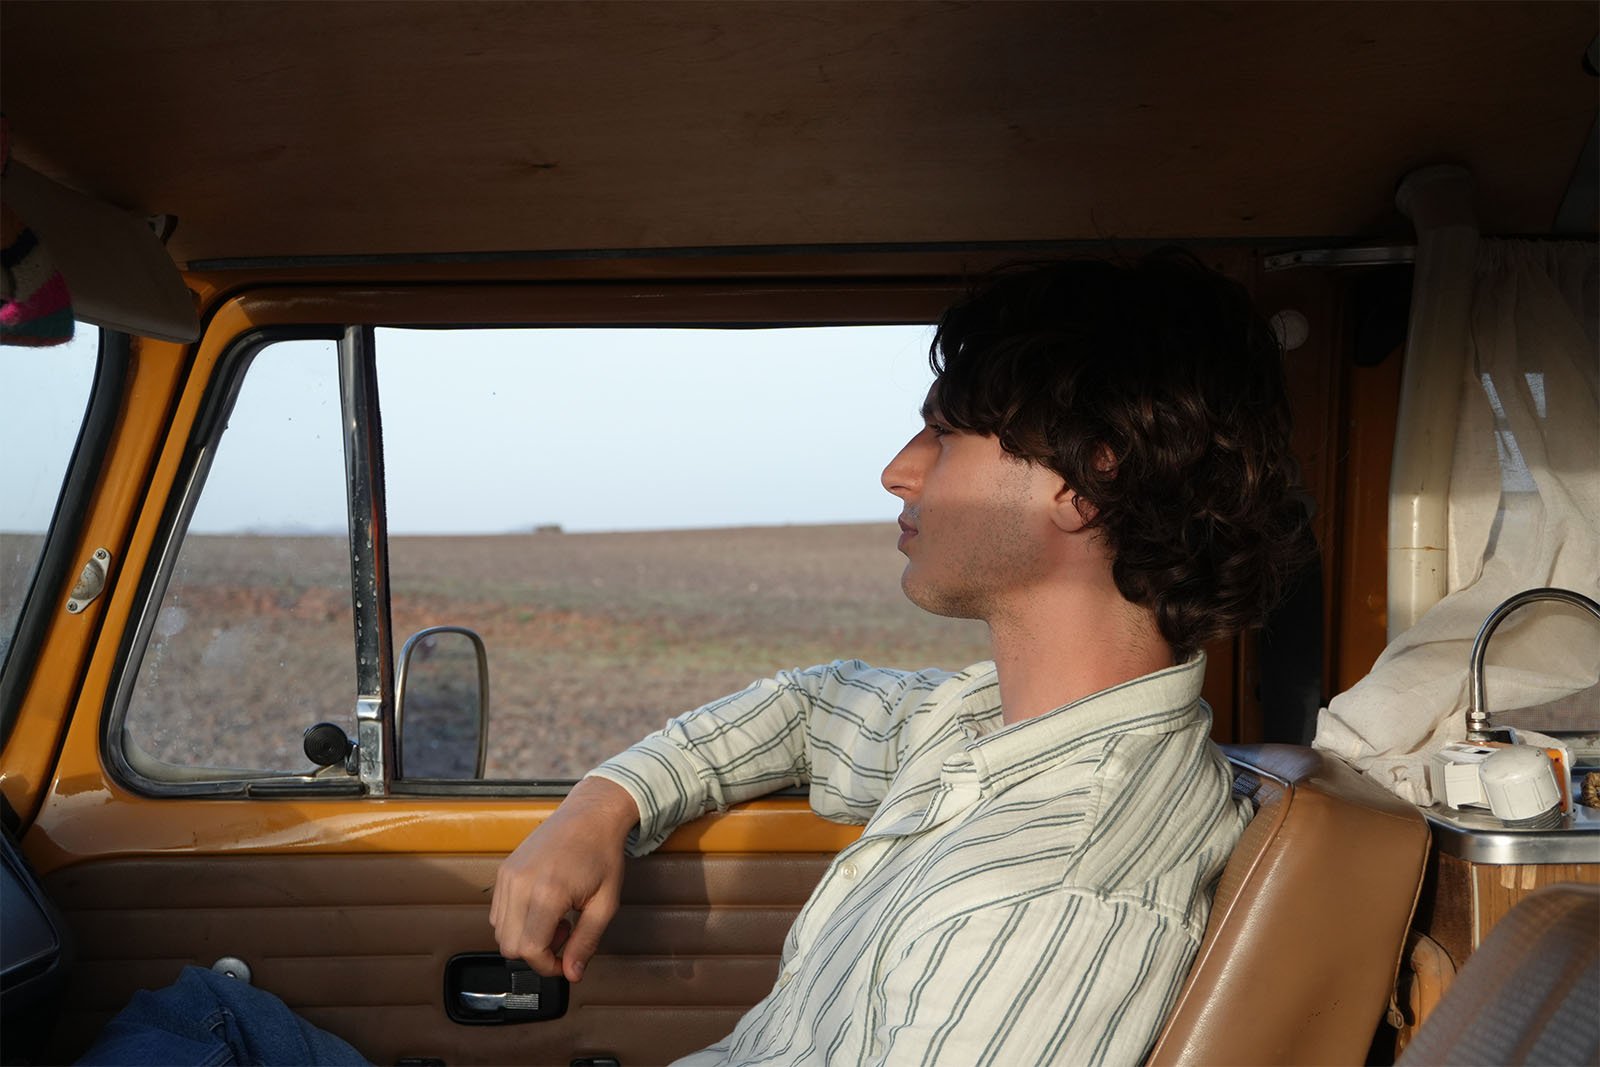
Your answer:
<point x="907" y="532"/>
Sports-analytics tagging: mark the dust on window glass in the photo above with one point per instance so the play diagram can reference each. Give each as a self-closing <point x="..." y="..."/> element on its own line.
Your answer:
<point x="44" y="393"/>
<point x="255" y="637"/>
<point x="640" y="520"/>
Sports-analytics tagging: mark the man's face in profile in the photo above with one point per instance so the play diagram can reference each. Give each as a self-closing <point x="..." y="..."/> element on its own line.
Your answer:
<point x="975" y="521"/>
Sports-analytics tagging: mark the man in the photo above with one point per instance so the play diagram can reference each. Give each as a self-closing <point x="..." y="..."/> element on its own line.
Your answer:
<point x="1104" y="478"/>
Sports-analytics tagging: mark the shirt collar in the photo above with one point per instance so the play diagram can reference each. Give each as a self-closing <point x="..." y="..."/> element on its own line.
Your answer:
<point x="1157" y="703"/>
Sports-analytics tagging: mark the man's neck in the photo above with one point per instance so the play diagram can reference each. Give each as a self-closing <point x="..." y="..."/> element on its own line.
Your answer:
<point x="1043" y="662"/>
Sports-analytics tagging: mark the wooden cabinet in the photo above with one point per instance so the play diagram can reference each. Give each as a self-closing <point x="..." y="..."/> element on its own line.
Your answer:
<point x="1477" y="872"/>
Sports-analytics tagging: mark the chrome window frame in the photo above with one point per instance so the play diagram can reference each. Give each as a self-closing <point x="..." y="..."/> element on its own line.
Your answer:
<point x="369" y="557"/>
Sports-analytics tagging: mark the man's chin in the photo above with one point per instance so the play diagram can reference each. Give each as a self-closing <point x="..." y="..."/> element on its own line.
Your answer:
<point x="936" y="601"/>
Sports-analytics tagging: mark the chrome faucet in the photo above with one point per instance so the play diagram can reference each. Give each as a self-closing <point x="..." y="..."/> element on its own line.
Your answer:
<point x="1478" y="728"/>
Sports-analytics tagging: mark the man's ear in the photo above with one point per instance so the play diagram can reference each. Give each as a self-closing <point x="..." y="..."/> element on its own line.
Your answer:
<point x="1071" y="512"/>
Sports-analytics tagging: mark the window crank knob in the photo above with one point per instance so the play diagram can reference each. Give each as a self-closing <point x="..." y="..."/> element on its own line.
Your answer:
<point x="326" y="744"/>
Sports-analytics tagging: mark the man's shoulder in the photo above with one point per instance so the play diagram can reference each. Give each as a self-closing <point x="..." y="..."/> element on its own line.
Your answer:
<point x="1167" y="820"/>
<point x="1150" y="777"/>
<point x="926" y="678"/>
<point x="906" y="691"/>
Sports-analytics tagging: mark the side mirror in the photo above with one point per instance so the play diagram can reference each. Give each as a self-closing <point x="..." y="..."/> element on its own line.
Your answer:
<point x="441" y="717"/>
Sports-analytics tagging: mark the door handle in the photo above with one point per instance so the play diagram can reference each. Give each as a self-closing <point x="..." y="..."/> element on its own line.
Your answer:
<point x="483" y="1001"/>
<point x="516" y="1000"/>
<point x="486" y="989"/>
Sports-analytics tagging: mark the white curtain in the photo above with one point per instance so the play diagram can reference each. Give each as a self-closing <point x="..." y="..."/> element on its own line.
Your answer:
<point x="1524" y="512"/>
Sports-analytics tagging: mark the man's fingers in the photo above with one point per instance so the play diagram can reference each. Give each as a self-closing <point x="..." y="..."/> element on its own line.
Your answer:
<point x="585" y="937"/>
<point x="558" y="941"/>
<point x="572" y="860"/>
<point x="530" y="935"/>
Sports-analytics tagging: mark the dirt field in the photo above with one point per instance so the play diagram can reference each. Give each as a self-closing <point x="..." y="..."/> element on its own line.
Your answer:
<point x="593" y="639"/>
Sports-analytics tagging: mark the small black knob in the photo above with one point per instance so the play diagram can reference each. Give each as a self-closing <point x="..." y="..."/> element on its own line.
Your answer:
<point x="326" y="744"/>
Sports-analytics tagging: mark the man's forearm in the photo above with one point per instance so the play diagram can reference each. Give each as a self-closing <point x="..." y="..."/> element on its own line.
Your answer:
<point x="611" y="808"/>
<point x="570" y="863"/>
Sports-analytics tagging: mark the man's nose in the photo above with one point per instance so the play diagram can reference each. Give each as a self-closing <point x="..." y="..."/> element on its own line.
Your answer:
<point x="903" y="475"/>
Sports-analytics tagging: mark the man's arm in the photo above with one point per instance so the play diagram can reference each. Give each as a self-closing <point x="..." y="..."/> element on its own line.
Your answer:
<point x="571" y="863"/>
<point x="838" y="727"/>
<point x="1068" y="978"/>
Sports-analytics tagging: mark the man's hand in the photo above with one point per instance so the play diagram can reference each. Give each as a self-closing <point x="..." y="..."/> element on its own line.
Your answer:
<point x="573" y="862"/>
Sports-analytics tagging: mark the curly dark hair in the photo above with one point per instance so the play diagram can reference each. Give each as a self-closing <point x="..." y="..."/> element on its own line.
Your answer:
<point x="1157" y="393"/>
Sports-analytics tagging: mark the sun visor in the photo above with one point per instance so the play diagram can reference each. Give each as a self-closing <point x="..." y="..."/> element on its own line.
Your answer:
<point x="117" y="271"/>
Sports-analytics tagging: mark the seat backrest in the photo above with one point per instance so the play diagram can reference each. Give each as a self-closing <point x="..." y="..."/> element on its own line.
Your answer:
<point x="1529" y="994"/>
<point x="1301" y="952"/>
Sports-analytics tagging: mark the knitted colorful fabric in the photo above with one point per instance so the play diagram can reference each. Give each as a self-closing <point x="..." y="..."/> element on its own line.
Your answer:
<point x="36" y="308"/>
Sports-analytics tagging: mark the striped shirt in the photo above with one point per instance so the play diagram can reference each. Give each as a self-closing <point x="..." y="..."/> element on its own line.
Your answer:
<point x="1024" y="894"/>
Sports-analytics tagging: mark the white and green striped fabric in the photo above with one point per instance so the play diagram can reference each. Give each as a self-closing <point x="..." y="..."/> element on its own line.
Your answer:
<point x="1029" y="894"/>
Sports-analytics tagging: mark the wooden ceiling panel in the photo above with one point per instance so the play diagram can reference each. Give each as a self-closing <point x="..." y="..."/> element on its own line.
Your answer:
<point x="388" y="128"/>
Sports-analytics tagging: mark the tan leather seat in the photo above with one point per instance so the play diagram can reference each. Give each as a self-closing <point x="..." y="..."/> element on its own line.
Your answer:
<point x="1530" y="992"/>
<point x="1306" y="931"/>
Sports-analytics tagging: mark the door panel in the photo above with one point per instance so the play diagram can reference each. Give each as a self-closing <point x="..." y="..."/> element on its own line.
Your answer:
<point x="358" y="945"/>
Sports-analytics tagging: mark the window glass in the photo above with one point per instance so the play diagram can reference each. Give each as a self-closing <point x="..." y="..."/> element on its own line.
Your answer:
<point x="44" y="393"/>
<point x="640" y="520"/>
<point x="1516" y="524"/>
<point x="255" y="637"/>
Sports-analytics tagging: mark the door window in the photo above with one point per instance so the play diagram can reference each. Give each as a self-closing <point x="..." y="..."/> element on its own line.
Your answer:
<point x="635" y="521"/>
<point x="638" y="521"/>
<point x="44" y="393"/>
<point x="254" y="640"/>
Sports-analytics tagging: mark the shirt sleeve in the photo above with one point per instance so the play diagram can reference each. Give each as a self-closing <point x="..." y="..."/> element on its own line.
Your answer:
<point x="1067" y="978"/>
<point x="839" y="728"/>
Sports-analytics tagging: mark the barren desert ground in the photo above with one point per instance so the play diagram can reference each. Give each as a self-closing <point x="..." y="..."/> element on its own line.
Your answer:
<point x="593" y="639"/>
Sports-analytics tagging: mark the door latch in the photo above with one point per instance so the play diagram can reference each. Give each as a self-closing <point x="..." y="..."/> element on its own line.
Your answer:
<point x="485" y="988"/>
<point x="91" y="583"/>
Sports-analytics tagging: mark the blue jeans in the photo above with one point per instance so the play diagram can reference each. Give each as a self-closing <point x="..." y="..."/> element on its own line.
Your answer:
<point x="211" y="1020"/>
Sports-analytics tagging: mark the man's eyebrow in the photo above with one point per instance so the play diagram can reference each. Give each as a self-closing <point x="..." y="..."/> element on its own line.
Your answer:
<point x="930" y="411"/>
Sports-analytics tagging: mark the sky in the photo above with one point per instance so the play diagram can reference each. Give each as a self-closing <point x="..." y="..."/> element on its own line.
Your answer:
<point x="499" y="431"/>
<point x="43" y="393"/>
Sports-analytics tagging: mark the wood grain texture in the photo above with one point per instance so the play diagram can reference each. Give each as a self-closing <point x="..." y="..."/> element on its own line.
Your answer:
<point x="1371" y="405"/>
<point x="395" y="128"/>
<point x="1498" y="889"/>
<point x="1445" y="912"/>
<point x="1461" y="901"/>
